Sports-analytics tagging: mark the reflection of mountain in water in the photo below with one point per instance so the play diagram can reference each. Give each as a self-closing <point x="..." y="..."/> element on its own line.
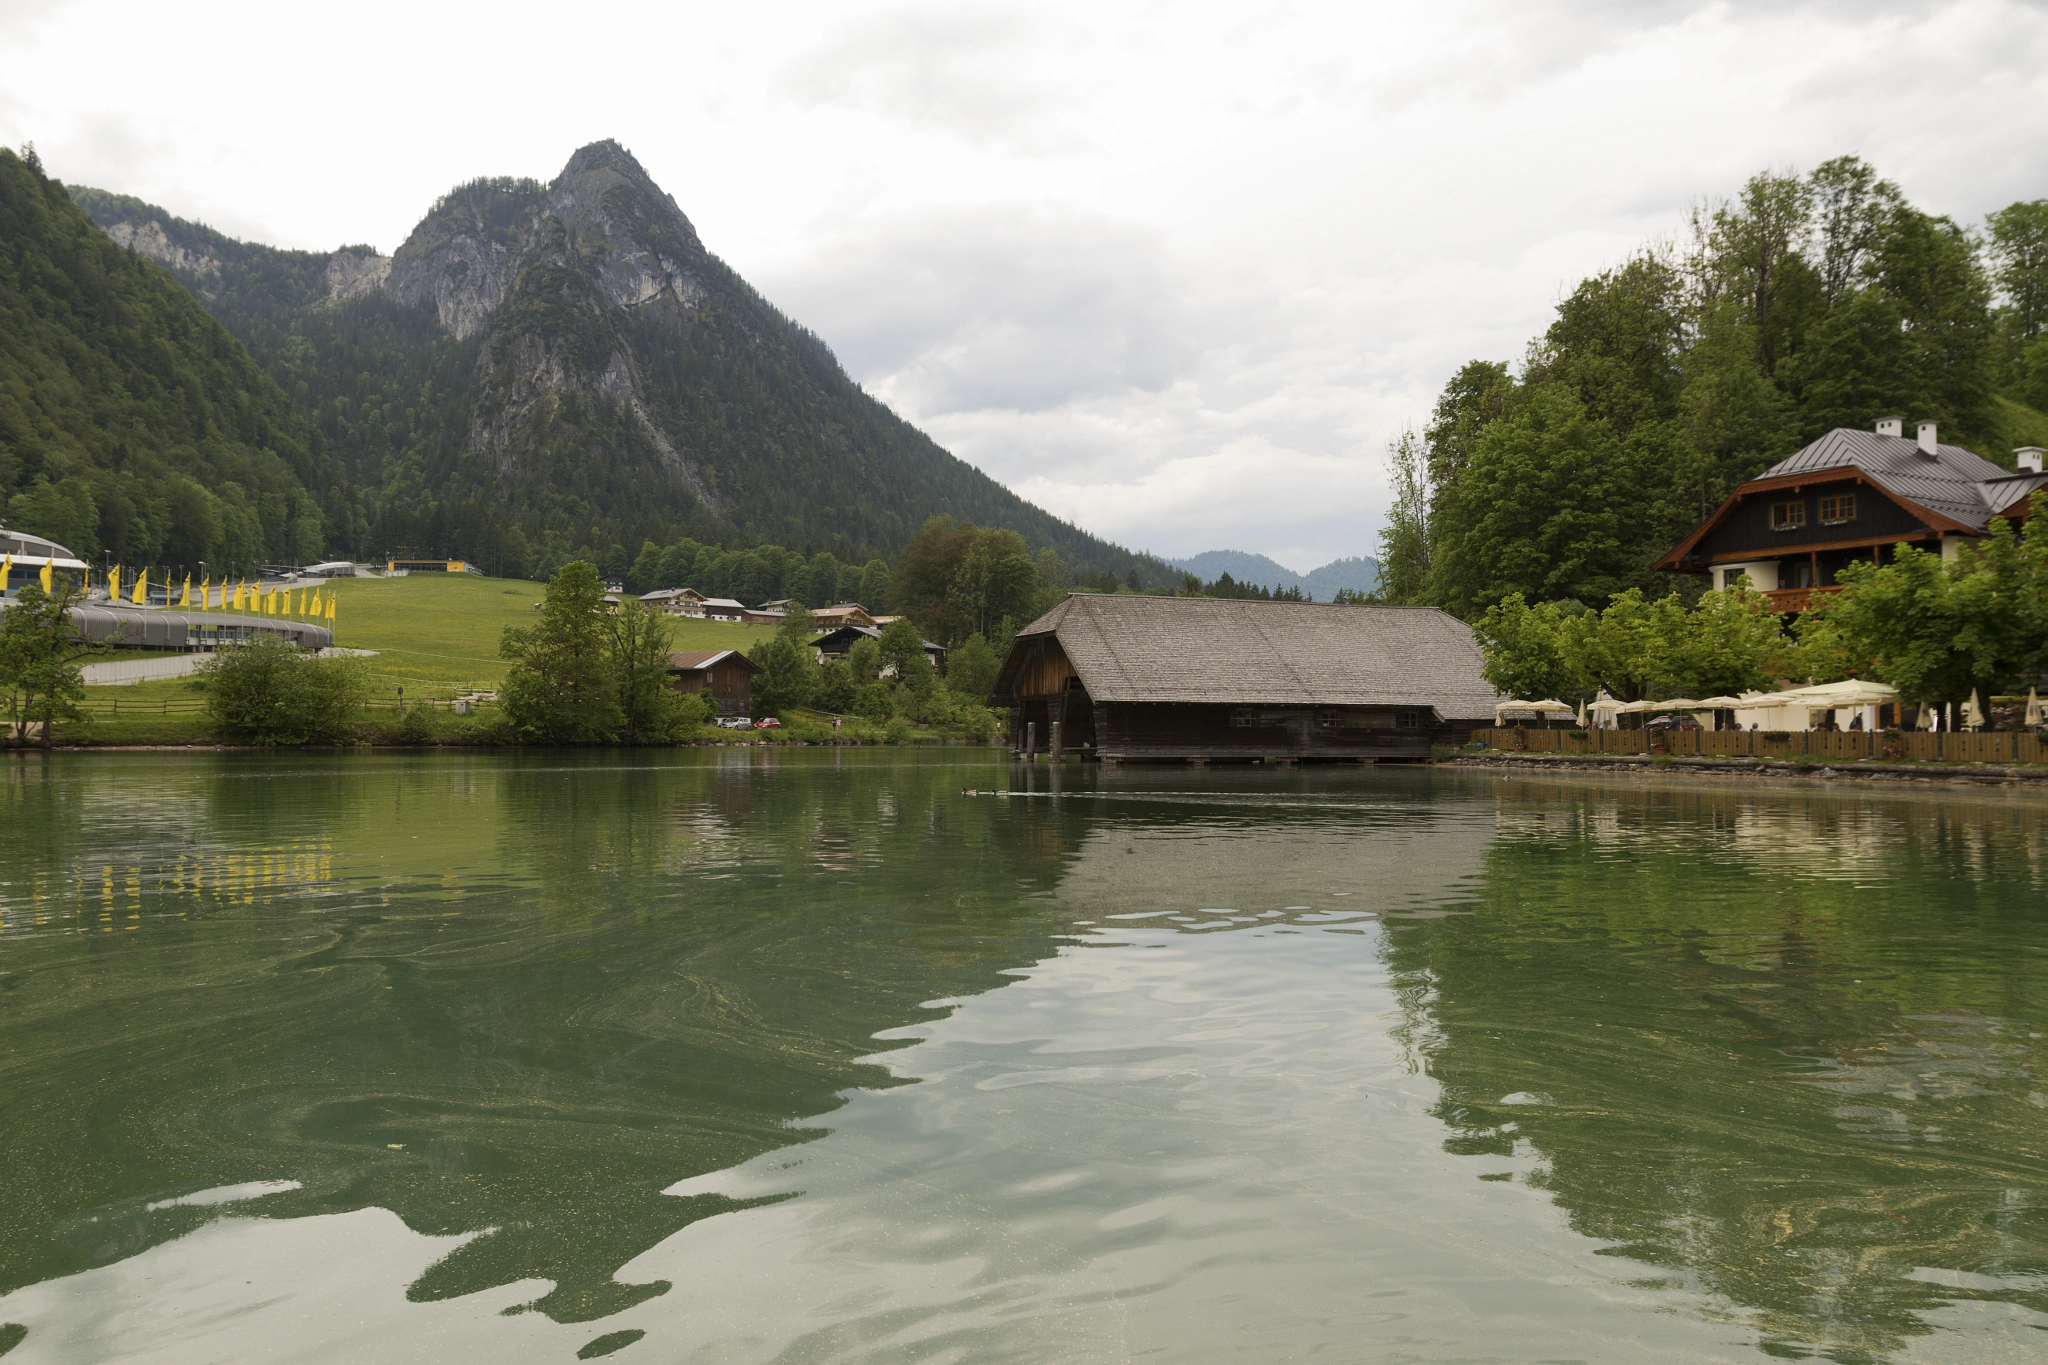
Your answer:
<point x="523" y="1002"/>
<point x="1726" y="1046"/>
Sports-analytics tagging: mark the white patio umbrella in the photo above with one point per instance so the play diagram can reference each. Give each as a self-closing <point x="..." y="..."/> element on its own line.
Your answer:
<point x="1973" y="718"/>
<point x="1549" y="706"/>
<point x="2034" y="714"/>
<point x="1929" y="717"/>
<point x="1581" y="716"/>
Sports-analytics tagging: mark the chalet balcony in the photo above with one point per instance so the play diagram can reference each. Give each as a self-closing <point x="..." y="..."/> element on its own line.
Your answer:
<point x="1796" y="600"/>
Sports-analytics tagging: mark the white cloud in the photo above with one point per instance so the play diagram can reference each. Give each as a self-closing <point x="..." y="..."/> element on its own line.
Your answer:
<point x="1179" y="272"/>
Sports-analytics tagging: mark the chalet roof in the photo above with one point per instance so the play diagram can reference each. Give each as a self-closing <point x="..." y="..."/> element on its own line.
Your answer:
<point x="697" y="660"/>
<point x="1133" y="648"/>
<point x="1956" y="483"/>
<point x="732" y="603"/>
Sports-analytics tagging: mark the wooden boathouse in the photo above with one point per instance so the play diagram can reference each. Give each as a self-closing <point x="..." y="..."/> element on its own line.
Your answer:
<point x="1119" y="677"/>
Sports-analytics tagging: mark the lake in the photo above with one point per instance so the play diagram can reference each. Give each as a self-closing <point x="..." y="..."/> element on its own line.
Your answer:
<point x="805" y="1055"/>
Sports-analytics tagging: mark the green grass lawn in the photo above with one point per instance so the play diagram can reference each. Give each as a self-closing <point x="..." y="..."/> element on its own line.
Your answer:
<point x="435" y="634"/>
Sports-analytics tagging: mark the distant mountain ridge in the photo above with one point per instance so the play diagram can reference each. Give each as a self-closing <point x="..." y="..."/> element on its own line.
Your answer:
<point x="547" y="366"/>
<point x="1358" y="572"/>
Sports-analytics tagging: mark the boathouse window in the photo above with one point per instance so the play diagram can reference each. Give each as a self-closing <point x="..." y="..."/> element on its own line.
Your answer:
<point x="1788" y="516"/>
<point x="1835" y="511"/>
<point x="1407" y="720"/>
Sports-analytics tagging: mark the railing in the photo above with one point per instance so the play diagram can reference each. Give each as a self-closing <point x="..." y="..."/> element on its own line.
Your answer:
<point x="1996" y="746"/>
<point x="1796" y="600"/>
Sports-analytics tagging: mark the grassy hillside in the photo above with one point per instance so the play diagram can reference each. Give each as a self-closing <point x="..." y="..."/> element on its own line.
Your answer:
<point x="2019" y="425"/>
<point x="435" y="632"/>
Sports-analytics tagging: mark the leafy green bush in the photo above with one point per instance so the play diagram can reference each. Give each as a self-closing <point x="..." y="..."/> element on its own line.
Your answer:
<point x="419" y="726"/>
<point x="898" y="731"/>
<point x="270" y="691"/>
<point x="874" y="703"/>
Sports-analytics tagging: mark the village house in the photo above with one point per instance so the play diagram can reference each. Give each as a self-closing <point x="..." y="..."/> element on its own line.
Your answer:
<point x="843" y="614"/>
<point x="1853" y="495"/>
<point x="674" y="601"/>
<point x="1122" y="676"/>
<point x="724" y="609"/>
<point x="726" y="674"/>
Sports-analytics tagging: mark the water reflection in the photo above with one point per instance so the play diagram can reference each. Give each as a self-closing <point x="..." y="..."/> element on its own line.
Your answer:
<point x="1788" y="1046"/>
<point x="810" y="1055"/>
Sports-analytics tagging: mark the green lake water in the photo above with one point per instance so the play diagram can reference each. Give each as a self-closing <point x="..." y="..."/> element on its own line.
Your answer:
<point x="805" y="1055"/>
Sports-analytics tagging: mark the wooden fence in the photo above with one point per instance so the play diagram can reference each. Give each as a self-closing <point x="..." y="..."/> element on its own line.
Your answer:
<point x="1999" y="746"/>
<point x="104" y="707"/>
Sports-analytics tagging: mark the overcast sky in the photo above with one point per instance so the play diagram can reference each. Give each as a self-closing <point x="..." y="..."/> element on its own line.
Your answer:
<point x="1178" y="273"/>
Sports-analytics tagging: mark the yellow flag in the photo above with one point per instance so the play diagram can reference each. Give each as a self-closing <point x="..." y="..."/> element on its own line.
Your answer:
<point x="46" y="572"/>
<point x="330" y="609"/>
<point x="6" y="570"/>
<point x="206" y="592"/>
<point x="186" y="600"/>
<point x="141" y="596"/>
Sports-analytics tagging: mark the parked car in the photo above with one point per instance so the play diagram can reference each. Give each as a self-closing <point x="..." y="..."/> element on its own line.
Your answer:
<point x="734" y="723"/>
<point x="767" y="723"/>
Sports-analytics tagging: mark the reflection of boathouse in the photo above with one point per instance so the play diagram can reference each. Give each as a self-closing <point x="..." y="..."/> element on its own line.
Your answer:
<point x="1124" y="676"/>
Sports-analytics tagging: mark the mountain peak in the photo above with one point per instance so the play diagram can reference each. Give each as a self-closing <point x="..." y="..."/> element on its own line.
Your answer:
<point x="604" y="155"/>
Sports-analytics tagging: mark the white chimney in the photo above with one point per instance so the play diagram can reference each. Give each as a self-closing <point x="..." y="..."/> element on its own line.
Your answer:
<point x="1890" y="426"/>
<point x="1928" y="441"/>
<point x="2029" y="458"/>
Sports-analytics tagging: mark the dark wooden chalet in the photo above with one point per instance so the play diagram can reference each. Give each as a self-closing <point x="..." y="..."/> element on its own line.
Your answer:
<point x="1852" y="495"/>
<point x="1122" y="676"/>
<point x="726" y="673"/>
<point x="838" y="642"/>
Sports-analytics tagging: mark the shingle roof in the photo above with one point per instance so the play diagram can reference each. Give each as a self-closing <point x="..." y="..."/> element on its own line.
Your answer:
<point x="1132" y="648"/>
<point x="695" y="660"/>
<point x="1959" y="484"/>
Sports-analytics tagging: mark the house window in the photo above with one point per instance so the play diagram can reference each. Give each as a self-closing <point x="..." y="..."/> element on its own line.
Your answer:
<point x="1835" y="511"/>
<point x="1408" y="720"/>
<point x="1788" y="516"/>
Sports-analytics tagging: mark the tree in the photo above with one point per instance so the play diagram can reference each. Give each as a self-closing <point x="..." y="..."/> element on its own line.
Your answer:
<point x="560" y="688"/>
<point x="786" y="677"/>
<point x="1550" y="507"/>
<point x="650" y="709"/>
<point x="1852" y="210"/>
<point x="1475" y="396"/>
<point x="2019" y="257"/>
<point x="797" y="625"/>
<point x="903" y="653"/>
<point x="1524" y="650"/>
<point x="1404" y="539"/>
<point x="971" y="670"/>
<point x="864" y="660"/>
<point x="39" y="654"/>
<point x="834" y="687"/>
<point x="270" y="691"/>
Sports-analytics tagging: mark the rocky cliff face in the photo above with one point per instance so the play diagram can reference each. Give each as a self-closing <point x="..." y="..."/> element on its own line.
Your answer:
<point x="568" y="359"/>
<point x="603" y="246"/>
<point x="149" y="239"/>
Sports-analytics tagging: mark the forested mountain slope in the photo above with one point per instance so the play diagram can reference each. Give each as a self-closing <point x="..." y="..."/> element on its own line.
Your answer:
<point x="547" y="369"/>
<point x="131" y="422"/>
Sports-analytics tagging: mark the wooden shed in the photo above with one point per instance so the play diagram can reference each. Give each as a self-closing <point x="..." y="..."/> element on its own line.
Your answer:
<point x="726" y="673"/>
<point x="1124" y="676"/>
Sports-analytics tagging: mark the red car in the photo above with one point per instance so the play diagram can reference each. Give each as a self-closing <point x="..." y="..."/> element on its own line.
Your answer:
<point x="767" y="723"/>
